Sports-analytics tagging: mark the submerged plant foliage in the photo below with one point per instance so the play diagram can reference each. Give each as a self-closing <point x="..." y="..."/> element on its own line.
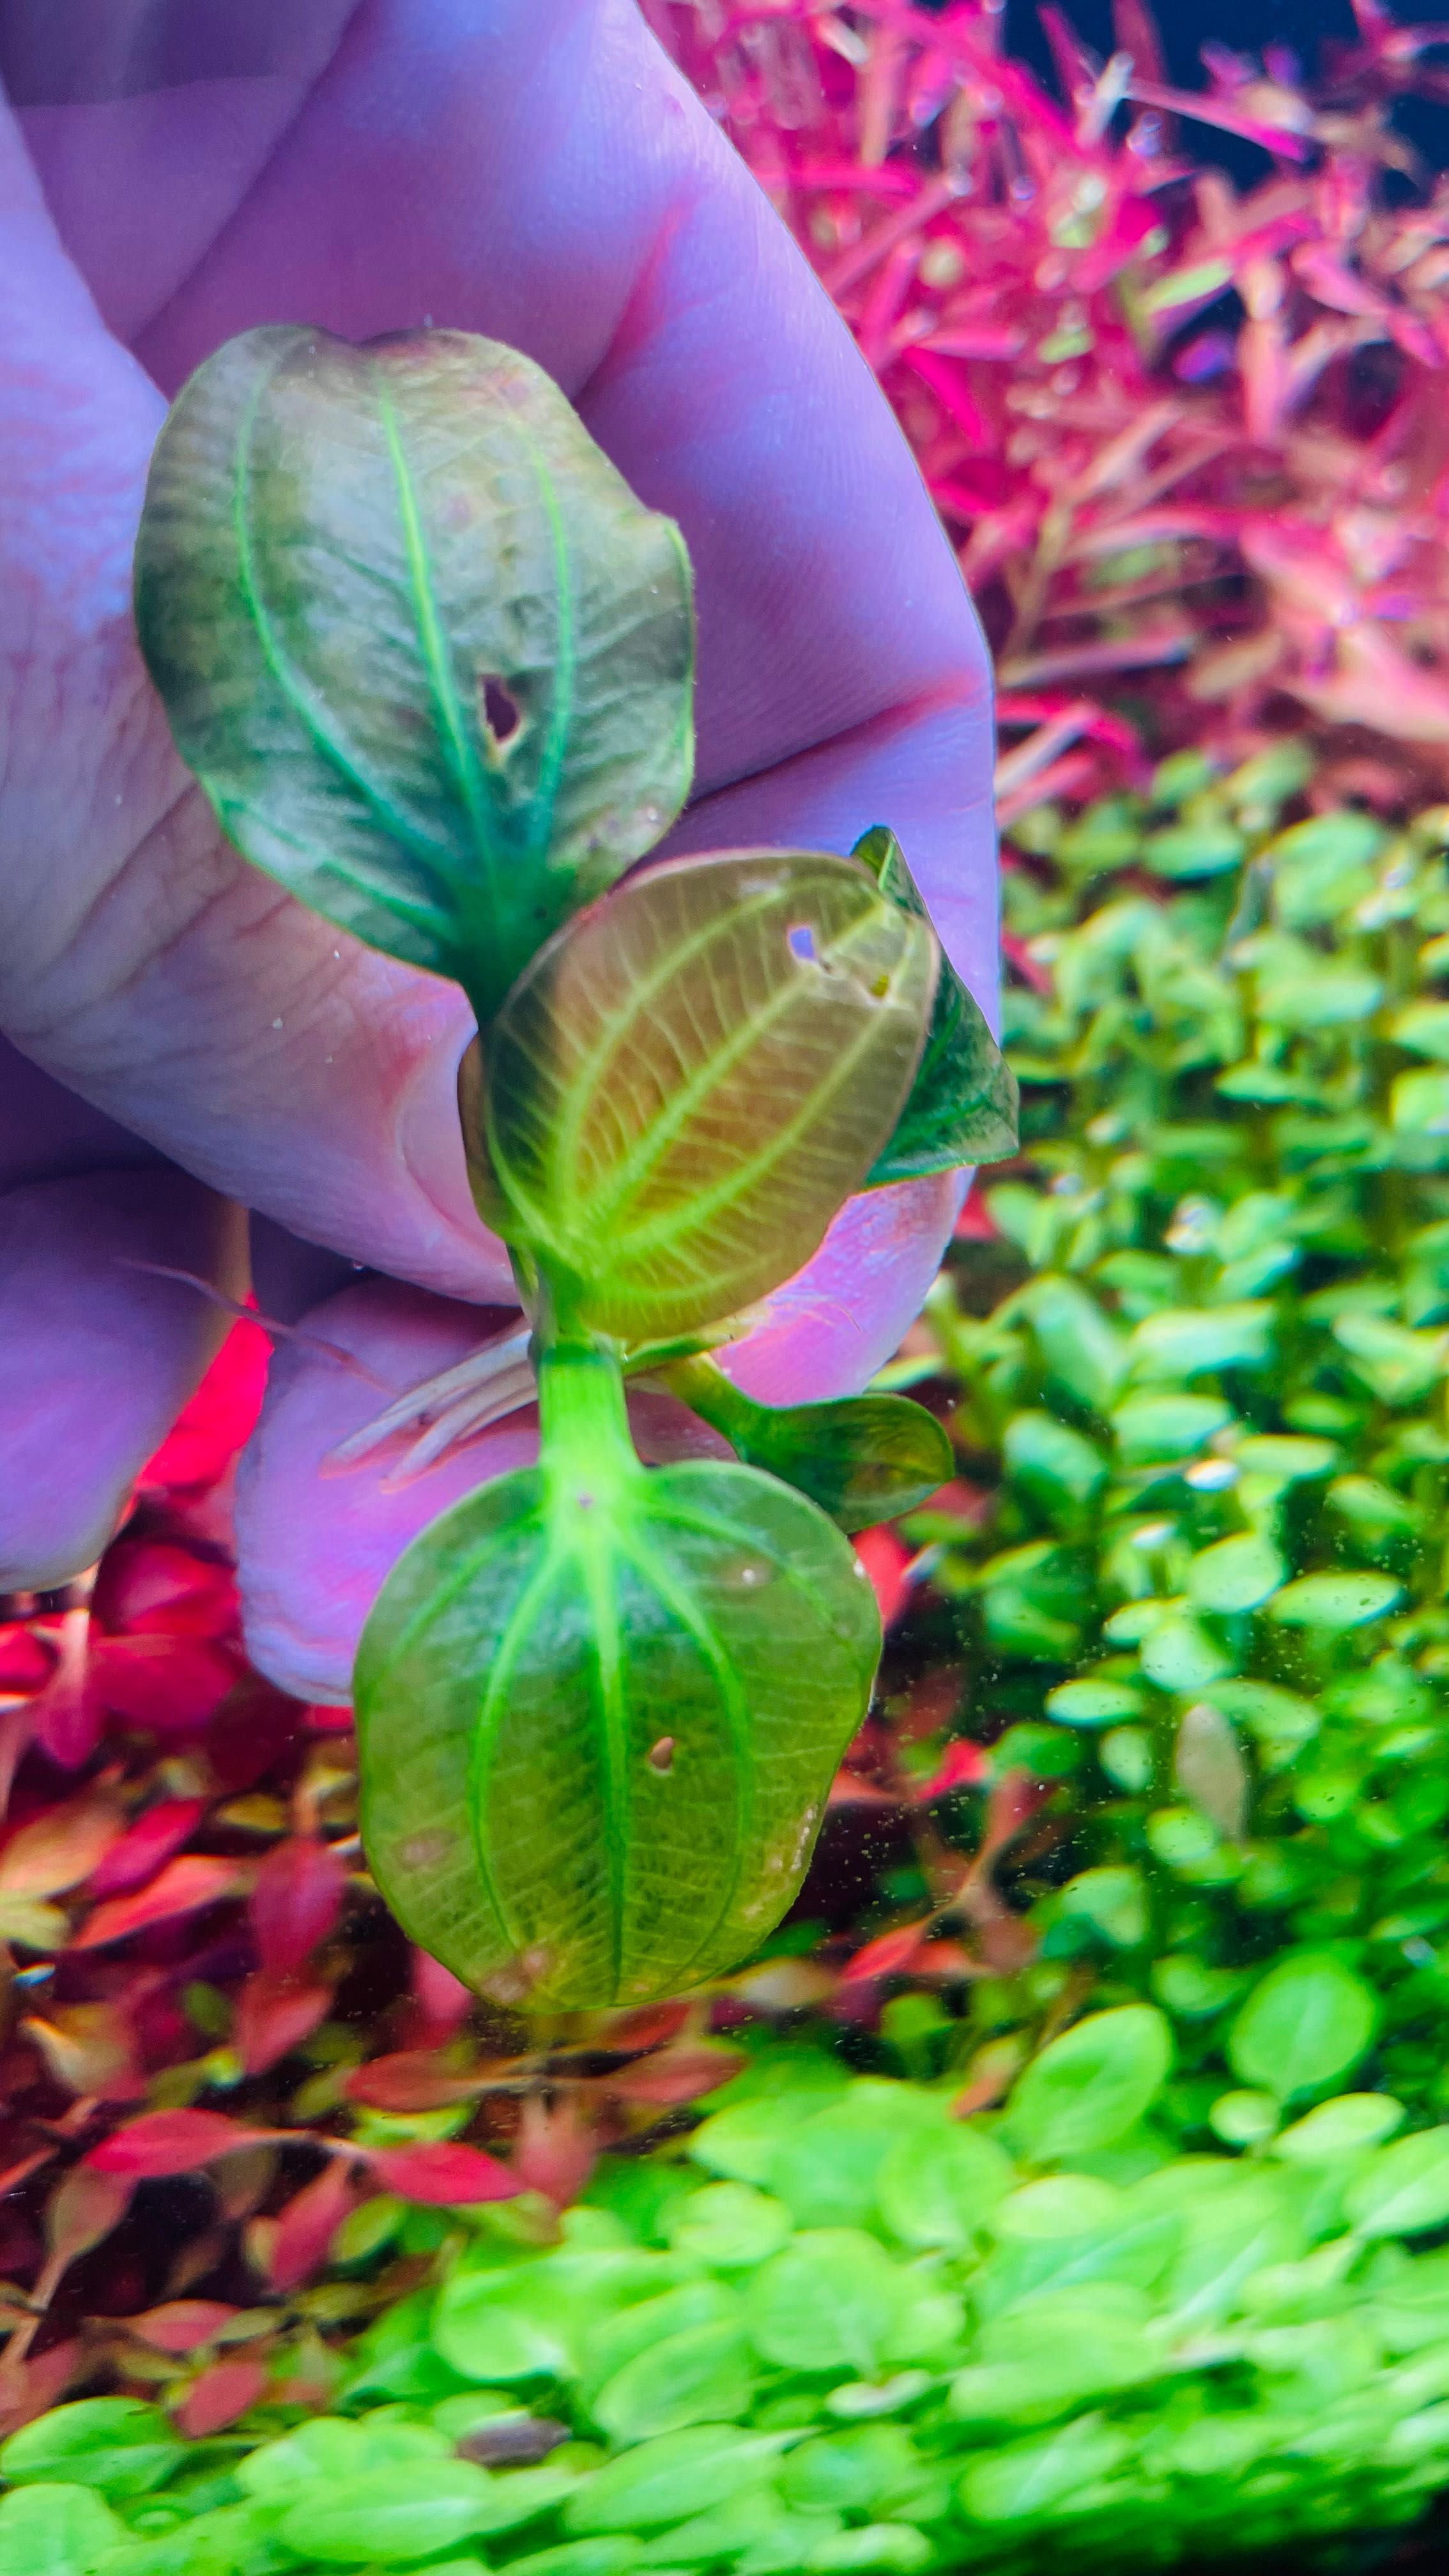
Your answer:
<point x="432" y="663"/>
<point x="841" y="2331"/>
<point x="1192" y="1582"/>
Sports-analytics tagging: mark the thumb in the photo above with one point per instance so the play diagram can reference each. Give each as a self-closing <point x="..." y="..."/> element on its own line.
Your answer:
<point x="142" y="963"/>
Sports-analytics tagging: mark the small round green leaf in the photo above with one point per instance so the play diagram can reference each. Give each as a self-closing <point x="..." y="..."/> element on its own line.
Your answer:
<point x="1405" y="2190"/>
<point x="55" y="2530"/>
<point x="1091" y="2085"/>
<point x="1236" y="1574"/>
<point x="1092" y="1703"/>
<point x="939" y="2186"/>
<point x="827" y="2302"/>
<point x="702" y="2376"/>
<point x="1340" y="2128"/>
<point x="1336" y="1601"/>
<point x="389" y="2516"/>
<point x="1303" y="2028"/>
<point x="691" y="1078"/>
<point x="662" y="2480"/>
<point x="118" y="2444"/>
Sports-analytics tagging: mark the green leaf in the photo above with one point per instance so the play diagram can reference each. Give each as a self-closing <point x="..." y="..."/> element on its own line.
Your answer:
<point x="963" y="1103"/>
<point x="1331" y="998"/>
<point x="1051" y="1460"/>
<point x="602" y="2557"/>
<point x="500" y="2327"/>
<point x="598" y="1715"/>
<point x="1203" y="848"/>
<point x="430" y="659"/>
<point x="828" y="2301"/>
<point x="939" y="2186"/>
<point x="1091" y="2085"/>
<point x="862" y="1458"/>
<point x="118" y="2444"/>
<point x="702" y="2376"/>
<point x="1079" y="1345"/>
<point x="626" y="1074"/>
<point x="1033" y="2479"/>
<point x="1405" y="2190"/>
<point x="1184" y="1341"/>
<point x="869" y="2469"/>
<point x="1335" y="1602"/>
<point x="1400" y="1366"/>
<point x="1237" y="1574"/>
<point x="1303" y="2029"/>
<point x="1112" y="1900"/>
<point x="1419" y="1104"/>
<point x="1152" y="1428"/>
<point x="55" y="2530"/>
<point x="1284" y="1460"/>
<point x="390" y="2516"/>
<point x="1322" y="866"/>
<point x="729" y="2226"/>
<point x="677" y="2474"/>
<point x="1180" y="1655"/>
<point x="870" y="2549"/>
<point x="826" y="2169"/>
<point x="1342" y="2127"/>
<point x="1092" y="1703"/>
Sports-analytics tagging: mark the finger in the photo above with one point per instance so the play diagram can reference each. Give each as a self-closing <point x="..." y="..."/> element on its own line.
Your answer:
<point x="142" y="964"/>
<point x="569" y="193"/>
<point x="97" y="1354"/>
<point x="316" y="1545"/>
<point x="264" y="1052"/>
<point x="190" y="99"/>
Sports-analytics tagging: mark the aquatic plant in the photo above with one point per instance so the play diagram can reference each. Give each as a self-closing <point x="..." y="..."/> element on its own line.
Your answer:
<point x="445" y="696"/>
<point x="842" y="2331"/>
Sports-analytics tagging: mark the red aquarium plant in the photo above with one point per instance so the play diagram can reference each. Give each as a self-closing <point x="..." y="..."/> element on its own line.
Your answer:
<point x="1190" y="438"/>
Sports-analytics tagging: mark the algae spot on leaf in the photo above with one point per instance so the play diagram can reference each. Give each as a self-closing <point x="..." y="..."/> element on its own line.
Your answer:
<point x="627" y="1070"/>
<point x="430" y="659"/>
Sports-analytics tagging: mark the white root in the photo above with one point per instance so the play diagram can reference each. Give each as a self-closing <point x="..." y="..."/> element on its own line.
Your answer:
<point x="454" y="1406"/>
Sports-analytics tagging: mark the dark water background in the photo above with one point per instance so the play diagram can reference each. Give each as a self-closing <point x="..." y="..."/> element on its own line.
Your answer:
<point x="1306" y="27"/>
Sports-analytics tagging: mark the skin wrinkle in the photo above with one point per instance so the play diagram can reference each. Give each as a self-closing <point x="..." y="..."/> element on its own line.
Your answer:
<point x="95" y="49"/>
<point x="545" y="177"/>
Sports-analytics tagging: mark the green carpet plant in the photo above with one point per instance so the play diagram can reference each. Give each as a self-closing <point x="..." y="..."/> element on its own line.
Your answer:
<point x="1200" y="1589"/>
<point x="841" y="2330"/>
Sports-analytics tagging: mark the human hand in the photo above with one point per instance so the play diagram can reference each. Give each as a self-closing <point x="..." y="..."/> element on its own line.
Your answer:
<point x="188" y="1036"/>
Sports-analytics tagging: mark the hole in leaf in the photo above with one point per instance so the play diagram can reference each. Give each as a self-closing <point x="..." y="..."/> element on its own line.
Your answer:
<point x="660" y="1756"/>
<point x="502" y="714"/>
<point x="801" y="943"/>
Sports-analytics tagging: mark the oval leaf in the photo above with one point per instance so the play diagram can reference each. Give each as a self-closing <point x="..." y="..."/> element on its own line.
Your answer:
<point x="429" y="657"/>
<point x="1091" y="2085"/>
<point x="1302" y="2029"/>
<point x="171" y="2142"/>
<point x="963" y="1104"/>
<point x="653" y="1693"/>
<point x="627" y="1075"/>
<point x="1405" y="2191"/>
<point x="863" y="1459"/>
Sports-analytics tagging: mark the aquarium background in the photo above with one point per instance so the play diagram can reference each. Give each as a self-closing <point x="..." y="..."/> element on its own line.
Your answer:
<point x="1070" y="2174"/>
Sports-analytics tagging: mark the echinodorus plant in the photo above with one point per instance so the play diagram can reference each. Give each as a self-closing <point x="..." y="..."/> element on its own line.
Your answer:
<point x="432" y="662"/>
